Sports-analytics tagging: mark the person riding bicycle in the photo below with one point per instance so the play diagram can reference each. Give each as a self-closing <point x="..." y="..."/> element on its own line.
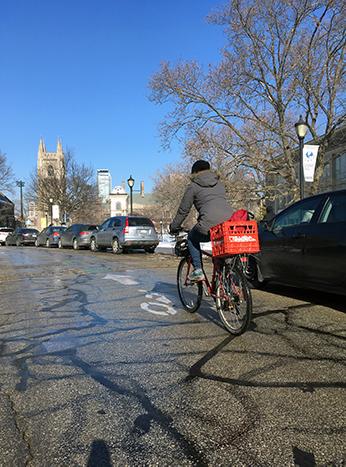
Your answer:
<point x="208" y="195"/>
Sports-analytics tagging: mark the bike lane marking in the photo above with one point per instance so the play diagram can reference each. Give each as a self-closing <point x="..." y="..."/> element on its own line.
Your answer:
<point x="124" y="280"/>
<point x="157" y="304"/>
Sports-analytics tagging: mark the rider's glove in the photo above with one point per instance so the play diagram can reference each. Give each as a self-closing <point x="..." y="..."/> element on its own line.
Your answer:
<point x="173" y="231"/>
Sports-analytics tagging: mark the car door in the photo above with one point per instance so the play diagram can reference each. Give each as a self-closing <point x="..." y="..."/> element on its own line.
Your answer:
<point x="109" y="233"/>
<point x="101" y="234"/>
<point x="65" y="237"/>
<point x="325" y="250"/>
<point x="42" y="236"/>
<point x="118" y="228"/>
<point x="282" y="245"/>
<point x="11" y="237"/>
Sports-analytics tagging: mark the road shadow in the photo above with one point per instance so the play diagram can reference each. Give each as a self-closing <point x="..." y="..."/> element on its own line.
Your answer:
<point x="99" y="454"/>
<point x="315" y="297"/>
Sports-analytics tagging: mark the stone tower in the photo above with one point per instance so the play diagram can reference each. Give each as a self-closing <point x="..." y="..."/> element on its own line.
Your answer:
<point x="50" y="164"/>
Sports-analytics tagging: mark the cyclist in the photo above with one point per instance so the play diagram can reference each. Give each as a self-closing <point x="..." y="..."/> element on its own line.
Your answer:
<point x="208" y="195"/>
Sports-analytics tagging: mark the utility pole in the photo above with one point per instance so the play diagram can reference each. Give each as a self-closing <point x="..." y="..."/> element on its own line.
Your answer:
<point x="20" y="184"/>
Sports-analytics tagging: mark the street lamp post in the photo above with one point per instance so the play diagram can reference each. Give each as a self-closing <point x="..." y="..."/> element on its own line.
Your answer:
<point x="131" y="182"/>
<point x="51" y="209"/>
<point x="20" y="184"/>
<point x="301" y="130"/>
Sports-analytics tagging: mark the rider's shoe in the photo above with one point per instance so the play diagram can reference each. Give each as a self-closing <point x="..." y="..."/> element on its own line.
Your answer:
<point x="196" y="275"/>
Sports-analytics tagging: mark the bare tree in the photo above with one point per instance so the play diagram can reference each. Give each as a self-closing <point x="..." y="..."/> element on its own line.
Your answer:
<point x="169" y="187"/>
<point x="282" y="58"/>
<point x="74" y="190"/>
<point x="6" y="175"/>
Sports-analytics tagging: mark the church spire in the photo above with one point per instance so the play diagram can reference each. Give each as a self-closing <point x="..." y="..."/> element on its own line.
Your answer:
<point x="59" y="147"/>
<point x="41" y="146"/>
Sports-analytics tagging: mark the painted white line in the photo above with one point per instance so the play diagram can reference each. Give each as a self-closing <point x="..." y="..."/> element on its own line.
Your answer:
<point x="159" y="297"/>
<point x="125" y="280"/>
<point x="161" y="302"/>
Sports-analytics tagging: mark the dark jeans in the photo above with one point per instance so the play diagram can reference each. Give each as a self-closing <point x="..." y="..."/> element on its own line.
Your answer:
<point x="194" y="238"/>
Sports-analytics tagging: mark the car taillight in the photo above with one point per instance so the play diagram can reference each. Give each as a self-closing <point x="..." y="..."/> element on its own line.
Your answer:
<point x="126" y="228"/>
<point x="84" y="233"/>
<point x="56" y="234"/>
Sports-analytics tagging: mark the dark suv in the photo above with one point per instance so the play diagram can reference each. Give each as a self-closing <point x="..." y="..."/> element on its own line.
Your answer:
<point x="125" y="232"/>
<point x="21" y="236"/>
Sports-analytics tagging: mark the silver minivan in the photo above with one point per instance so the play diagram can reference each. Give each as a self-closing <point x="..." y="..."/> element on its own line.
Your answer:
<point x="123" y="233"/>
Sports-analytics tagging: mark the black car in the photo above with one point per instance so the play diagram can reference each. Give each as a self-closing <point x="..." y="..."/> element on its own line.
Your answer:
<point x="77" y="236"/>
<point x="305" y="245"/>
<point x="21" y="236"/>
<point x="50" y="236"/>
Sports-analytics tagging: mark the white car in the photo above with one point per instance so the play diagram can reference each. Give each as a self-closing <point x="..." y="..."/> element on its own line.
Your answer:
<point x="4" y="231"/>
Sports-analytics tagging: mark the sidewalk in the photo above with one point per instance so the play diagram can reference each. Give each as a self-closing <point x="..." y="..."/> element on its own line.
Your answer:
<point x="167" y="248"/>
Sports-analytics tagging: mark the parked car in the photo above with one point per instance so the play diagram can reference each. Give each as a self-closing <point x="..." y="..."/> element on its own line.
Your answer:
<point x="50" y="236"/>
<point x="122" y="233"/>
<point x="21" y="236"/>
<point x="4" y="231"/>
<point x="305" y="245"/>
<point x="77" y="236"/>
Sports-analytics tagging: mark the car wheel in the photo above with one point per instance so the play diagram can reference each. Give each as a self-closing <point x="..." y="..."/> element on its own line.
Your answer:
<point x="75" y="244"/>
<point x="150" y="249"/>
<point x="18" y="243"/>
<point x="47" y="243"/>
<point x="93" y="244"/>
<point x="116" y="248"/>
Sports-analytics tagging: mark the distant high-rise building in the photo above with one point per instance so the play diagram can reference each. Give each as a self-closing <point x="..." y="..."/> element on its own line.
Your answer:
<point x="104" y="183"/>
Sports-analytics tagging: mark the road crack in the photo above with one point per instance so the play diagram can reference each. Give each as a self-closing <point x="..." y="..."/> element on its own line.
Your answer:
<point x="22" y="433"/>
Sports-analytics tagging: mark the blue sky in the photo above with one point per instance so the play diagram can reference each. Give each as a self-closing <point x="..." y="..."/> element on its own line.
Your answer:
<point x="79" y="70"/>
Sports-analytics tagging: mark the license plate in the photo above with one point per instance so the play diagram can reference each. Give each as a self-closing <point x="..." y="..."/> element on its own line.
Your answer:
<point x="144" y="231"/>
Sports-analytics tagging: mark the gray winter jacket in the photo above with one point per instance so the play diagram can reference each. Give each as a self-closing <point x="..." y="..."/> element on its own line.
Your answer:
<point x="208" y="196"/>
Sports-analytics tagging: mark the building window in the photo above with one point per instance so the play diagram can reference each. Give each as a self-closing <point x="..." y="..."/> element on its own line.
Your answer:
<point x="118" y="206"/>
<point x="50" y="171"/>
<point x="340" y="167"/>
<point x="326" y="173"/>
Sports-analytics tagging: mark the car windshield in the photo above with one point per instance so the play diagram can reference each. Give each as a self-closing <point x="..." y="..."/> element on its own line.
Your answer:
<point x="140" y="222"/>
<point x="89" y="227"/>
<point x="58" y="229"/>
<point x="28" y="231"/>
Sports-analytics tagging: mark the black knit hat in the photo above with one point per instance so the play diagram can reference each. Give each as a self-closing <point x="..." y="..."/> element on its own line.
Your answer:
<point x="198" y="166"/>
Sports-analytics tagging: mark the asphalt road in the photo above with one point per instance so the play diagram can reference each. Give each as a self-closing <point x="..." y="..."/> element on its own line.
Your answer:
<point x="100" y="366"/>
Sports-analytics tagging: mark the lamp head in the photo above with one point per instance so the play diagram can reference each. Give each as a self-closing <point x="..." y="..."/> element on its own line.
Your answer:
<point x="130" y="181"/>
<point x="301" y="128"/>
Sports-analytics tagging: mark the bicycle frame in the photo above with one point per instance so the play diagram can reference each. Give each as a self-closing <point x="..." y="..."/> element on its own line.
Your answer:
<point x="209" y="287"/>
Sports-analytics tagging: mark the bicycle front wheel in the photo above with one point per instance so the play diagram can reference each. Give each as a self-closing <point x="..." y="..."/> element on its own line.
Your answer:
<point x="190" y="293"/>
<point x="233" y="299"/>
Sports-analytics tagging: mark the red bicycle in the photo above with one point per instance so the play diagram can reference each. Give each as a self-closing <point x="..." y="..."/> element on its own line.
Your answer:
<point x="227" y="286"/>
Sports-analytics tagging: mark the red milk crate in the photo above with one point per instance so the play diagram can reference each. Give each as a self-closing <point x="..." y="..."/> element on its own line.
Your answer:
<point x="234" y="237"/>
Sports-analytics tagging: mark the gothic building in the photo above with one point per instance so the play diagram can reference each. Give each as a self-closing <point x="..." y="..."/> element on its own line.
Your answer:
<point x="49" y="164"/>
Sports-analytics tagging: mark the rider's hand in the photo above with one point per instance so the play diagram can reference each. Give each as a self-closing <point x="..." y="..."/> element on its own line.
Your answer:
<point x="173" y="231"/>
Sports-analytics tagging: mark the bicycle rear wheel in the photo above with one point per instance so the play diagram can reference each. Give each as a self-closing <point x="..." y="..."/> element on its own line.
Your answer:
<point x="190" y="293"/>
<point x="233" y="299"/>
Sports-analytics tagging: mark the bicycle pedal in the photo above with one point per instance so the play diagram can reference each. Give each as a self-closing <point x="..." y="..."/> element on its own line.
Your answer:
<point x="205" y="290"/>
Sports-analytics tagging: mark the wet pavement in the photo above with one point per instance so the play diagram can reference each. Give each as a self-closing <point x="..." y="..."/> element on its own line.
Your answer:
<point x="100" y="366"/>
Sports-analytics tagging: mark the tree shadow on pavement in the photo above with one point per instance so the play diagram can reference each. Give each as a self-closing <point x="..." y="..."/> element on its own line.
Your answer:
<point x="99" y="454"/>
